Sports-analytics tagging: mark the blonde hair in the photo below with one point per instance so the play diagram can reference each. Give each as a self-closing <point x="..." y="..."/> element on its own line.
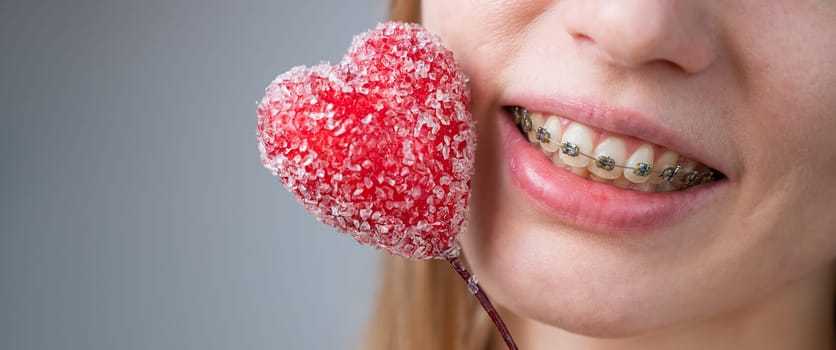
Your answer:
<point x="405" y="10"/>
<point x="424" y="305"/>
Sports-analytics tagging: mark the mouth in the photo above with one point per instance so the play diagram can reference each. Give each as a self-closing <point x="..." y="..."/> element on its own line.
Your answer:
<point x="600" y="180"/>
<point x="603" y="157"/>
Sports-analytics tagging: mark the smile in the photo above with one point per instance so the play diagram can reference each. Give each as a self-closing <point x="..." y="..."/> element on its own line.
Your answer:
<point x="595" y="178"/>
<point x="603" y="157"/>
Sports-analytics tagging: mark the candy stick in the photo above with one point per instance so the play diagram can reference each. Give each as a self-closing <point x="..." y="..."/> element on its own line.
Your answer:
<point x="479" y="293"/>
<point x="380" y="146"/>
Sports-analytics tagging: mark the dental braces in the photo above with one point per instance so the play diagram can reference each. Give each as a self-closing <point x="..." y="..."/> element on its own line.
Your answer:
<point x="670" y="174"/>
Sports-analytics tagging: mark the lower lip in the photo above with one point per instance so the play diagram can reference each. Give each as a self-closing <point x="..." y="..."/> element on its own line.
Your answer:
<point x="593" y="206"/>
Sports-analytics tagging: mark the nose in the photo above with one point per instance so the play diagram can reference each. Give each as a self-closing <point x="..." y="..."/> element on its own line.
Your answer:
<point x="632" y="33"/>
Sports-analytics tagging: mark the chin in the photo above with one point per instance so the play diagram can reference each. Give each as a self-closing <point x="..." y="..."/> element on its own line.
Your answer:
<point x="539" y="277"/>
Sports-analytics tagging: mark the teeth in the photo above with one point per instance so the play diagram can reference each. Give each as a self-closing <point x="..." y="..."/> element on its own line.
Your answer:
<point x="706" y="176"/>
<point x="559" y="162"/>
<point x="577" y="139"/>
<point x="645" y="187"/>
<point x="518" y="111"/>
<point x="688" y="174"/>
<point x="621" y="182"/>
<point x="597" y="178"/>
<point x="536" y="123"/>
<point x="551" y="133"/>
<point x="665" y="187"/>
<point x="608" y="153"/>
<point x="666" y="161"/>
<point x="580" y="171"/>
<point x="573" y="149"/>
<point x="642" y="163"/>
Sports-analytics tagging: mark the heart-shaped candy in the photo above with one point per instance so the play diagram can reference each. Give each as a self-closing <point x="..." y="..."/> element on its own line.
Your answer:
<point x="381" y="145"/>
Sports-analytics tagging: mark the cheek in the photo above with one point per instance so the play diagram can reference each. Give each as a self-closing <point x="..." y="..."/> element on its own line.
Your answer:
<point x="785" y="116"/>
<point x="452" y="20"/>
<point x="435" y="15"/>
<point x="784" y="125"/>
<point x="484" y="35"/>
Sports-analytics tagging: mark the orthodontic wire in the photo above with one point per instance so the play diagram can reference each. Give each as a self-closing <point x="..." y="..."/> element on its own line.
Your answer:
<point x="521" y="117"/>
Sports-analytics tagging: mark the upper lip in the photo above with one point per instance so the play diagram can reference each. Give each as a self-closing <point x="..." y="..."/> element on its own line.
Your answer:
<point x="620" y="121"/>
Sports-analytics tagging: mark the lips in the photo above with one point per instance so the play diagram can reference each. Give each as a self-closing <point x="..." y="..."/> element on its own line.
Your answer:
<point x="619" y="174"/>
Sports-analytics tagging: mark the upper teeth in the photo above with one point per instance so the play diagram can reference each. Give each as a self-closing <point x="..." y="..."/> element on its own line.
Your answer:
<point x="571" y="145"/>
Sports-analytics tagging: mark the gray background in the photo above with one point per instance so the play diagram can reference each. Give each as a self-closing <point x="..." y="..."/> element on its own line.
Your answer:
<point x="135" y="213"/>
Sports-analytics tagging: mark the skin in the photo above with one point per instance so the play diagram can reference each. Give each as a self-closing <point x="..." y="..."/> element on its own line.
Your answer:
<point x="753" y="270"/>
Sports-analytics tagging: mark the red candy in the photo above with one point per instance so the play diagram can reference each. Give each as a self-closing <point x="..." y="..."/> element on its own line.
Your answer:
<point x="381" y="145"/>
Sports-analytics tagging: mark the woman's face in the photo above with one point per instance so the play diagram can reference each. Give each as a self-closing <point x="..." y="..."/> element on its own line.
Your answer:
<point x="746" y="88"/>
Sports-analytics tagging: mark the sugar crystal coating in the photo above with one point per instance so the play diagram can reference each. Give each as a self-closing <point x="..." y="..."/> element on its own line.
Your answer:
<point x="380" y="145"/>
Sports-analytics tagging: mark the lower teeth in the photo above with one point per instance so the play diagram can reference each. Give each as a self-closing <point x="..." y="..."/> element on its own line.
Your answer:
<point x="672" y="178"/>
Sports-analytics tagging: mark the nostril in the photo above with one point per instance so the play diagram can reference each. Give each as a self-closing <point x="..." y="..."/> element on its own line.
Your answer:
<point x="583" y="41"/>
<point x="582" y="37"/>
